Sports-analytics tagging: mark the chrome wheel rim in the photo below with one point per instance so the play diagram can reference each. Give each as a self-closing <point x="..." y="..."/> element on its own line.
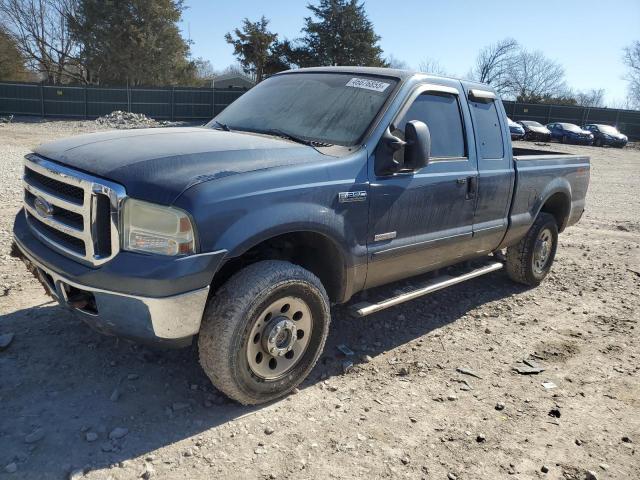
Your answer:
<point x="279" y="337"/>
<point x="542" y="251"/>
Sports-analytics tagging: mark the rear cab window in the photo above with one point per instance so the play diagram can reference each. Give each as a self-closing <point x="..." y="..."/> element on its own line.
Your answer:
<point x="488" y="130"/>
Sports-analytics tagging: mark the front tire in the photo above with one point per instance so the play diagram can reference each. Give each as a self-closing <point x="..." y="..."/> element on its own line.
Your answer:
<point x="529" y="261"/>
<point x="263" y="331"/>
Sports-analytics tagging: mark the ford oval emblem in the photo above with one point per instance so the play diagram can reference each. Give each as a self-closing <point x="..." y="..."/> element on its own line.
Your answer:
<point x="44" y="208"/>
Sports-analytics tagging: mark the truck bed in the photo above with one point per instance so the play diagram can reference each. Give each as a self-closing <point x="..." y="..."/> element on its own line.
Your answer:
<point x="520" y="153"/>
<point x="541" y="175"/>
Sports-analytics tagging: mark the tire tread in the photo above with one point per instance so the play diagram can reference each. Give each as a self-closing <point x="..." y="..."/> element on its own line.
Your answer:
<point x="221" y="327"/>
<point x="519" y="255"/>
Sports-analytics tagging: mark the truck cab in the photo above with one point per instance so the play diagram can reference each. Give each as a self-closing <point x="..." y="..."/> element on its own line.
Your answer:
<point x="313" y="186"/>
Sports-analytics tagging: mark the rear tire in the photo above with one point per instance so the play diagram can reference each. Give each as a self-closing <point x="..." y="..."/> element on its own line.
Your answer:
<point x="263" y="331"/>
<point x="529" y="261"/>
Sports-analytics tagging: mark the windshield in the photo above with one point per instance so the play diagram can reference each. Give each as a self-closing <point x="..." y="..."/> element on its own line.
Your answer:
<point x="329" y="108"/>
<point x="531" y="123"/>
<point x="571" y="127"/>
<point x="608" y="129"/>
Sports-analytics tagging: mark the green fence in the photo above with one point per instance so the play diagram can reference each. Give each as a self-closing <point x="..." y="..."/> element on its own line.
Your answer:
<point x="188" y="103"/>
<point x="627" y="121"/>
<point x="170" y="103"/>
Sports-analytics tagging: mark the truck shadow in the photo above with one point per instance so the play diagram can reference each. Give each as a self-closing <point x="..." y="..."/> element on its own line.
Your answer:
<point x="63" y="378"/>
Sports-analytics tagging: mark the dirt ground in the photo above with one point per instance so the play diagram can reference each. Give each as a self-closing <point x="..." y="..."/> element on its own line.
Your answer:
<point x="77" y="404"/>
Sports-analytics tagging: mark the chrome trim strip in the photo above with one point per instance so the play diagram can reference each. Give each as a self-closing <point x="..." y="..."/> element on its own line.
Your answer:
<point x="444" y="281"/>
<point x="91" y="186"/>
<point x="400" y="250"/>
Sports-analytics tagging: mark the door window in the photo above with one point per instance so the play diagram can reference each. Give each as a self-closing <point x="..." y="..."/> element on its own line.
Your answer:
<point x="441" y="113"/>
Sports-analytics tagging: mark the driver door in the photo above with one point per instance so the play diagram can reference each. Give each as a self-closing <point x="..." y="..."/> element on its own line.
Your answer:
<point x="421" y="220"/>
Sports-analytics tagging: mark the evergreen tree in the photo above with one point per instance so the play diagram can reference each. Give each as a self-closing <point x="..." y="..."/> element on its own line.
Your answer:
<point x="339" y="33"/>
<point x="257" y="49"/>
<point x="135" y="42"/>
<point x="11" y="60"/>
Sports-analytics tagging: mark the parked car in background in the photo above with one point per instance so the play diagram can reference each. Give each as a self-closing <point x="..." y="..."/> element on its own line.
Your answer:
<point x="570" y="133"/>
<point x="535" y="131"/>
<point x="516" y="130"/>
<point x="606" y="135"/>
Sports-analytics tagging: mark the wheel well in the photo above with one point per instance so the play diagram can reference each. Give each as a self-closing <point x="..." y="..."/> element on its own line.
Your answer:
<point x="312" y="251"/>
<point x="559" y="206"/>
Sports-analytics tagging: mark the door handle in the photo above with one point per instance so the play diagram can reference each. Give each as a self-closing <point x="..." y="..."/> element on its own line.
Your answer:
<point x="472" y="187"/>
<point x="461" y="181"/>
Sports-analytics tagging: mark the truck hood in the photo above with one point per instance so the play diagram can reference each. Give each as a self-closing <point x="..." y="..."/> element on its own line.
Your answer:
<point x="157" y="164"/>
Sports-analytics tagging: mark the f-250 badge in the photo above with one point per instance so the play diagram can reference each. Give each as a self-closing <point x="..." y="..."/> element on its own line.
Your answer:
<point x="346" y="197"/>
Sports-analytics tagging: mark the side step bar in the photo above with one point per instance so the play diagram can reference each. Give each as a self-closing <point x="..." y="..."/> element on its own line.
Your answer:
<point x="443" y="281"/>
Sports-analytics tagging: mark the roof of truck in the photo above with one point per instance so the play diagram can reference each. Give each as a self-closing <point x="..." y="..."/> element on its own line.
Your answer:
<point x="402" y="75"/>
<point x="387" y="72"/>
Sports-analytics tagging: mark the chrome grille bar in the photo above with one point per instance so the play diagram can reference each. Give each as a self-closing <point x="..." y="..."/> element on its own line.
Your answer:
<point x="64" y="202"/>
<point x="66" y="229"/>
<point x="54" y="199"/>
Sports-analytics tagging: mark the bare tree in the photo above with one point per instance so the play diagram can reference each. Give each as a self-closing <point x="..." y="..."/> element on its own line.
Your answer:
<point x="204" y="69"/>
<point x="237" y="69"/>
<point x="395" y="62"/>
<point x="41" y="31"/>
<point x="533" y="77"/>
<point x="495" y="64"/>
<point x="430" y="65"/>
<point x="632" y="61"/>
<point x="590" y="98"/>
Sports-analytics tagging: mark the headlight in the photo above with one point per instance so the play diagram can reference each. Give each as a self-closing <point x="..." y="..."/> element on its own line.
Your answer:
<point x="156" y="229"/>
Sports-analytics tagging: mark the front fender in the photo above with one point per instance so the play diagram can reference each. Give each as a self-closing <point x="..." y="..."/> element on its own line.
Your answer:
<point x="241" y="211"/>
<point x="273" y="220"/>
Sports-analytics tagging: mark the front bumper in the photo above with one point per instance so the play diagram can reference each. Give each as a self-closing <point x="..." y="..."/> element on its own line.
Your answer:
<point x="171" y="319"/>
<point x="614" y="142"/>
<point x="538" y="136"/>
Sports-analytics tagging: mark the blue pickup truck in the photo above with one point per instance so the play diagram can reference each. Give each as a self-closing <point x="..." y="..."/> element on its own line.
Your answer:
<point x="313" y="186"/>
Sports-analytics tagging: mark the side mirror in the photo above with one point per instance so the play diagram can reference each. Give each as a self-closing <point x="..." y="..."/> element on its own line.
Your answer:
<point x="394" y="154"/>
<point x="418" y="145"/>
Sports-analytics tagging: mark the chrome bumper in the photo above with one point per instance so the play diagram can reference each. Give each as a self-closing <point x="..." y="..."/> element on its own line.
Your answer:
<point x="140" y="318"/>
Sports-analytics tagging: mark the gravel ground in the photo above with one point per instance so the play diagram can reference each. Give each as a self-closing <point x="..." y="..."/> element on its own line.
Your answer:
<point x="77" y="404"/>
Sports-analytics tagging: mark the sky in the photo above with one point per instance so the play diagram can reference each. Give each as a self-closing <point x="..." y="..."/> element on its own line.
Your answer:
<point x="586" y="37"/>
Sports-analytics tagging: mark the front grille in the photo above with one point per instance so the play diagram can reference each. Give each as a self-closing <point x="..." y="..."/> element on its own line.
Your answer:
<point x="74" y="213"/>
<point x="71" y="243"/>
<point x="70" y="219"/>
<point x="54" y="187"/>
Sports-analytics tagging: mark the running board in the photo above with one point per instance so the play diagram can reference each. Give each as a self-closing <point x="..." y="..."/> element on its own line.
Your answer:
<point x="443" y="281"/>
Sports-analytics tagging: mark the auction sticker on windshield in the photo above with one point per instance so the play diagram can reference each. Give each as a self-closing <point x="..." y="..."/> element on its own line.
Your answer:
<point x="368" y="84"/>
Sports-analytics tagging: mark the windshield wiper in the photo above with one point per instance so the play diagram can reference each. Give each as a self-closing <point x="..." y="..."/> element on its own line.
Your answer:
<point x="223" y="126"/>
<point x="295" y="138"/>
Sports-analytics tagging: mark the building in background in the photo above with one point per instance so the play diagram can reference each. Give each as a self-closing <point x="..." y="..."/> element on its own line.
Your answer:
<point x="235" y="81"/>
